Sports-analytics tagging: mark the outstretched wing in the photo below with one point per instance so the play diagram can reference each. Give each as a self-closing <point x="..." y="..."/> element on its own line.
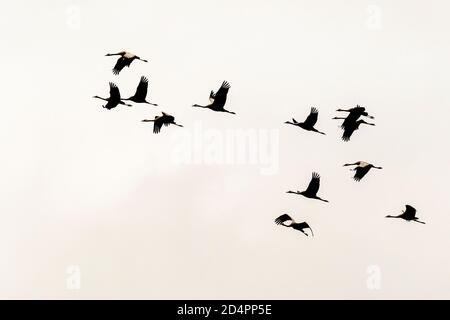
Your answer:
<point x="163" y="120"/>
<point x="168" y="119"/>
<point x="114" y="93"/>
<point x="221" y="95"/>
<point x="141" y="90"/>
<point x="351" y="119"/>
<point x="314" y="184"/>
<point x="301" y="226"/>
<point x="312" y="118"/>
<point x="360" y="172"/>
<point x="348" y="131"/>
<point x="410" y="212"/>
<point x="159" y="121"/>
<point x="120" y="64"/>
<point x="283" y="218"/>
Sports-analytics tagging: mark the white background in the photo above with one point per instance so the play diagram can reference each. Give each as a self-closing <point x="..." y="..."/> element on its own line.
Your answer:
<point x="82" y="185"/>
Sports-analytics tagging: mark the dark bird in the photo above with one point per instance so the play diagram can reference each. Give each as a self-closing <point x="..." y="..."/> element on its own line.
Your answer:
<point x="313" y="187"/>
<point x="361" y="169"/>
<point x="354" y="114"/>
<point x="351" y="127"/>
<point x="358" y="110"/>
<point x="141" y="92"/>
<point x="286" y="221"/>
<point x="409" y="215"/>
<point x="159" y="121"/>
<point x="114" y="97"/>
<point x="218" y="99"/>
<point x="309" y="123"/>
<point x="126" y="58"/>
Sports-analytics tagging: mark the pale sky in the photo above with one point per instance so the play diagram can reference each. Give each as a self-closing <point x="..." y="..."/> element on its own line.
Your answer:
<point x="96" y="189"/>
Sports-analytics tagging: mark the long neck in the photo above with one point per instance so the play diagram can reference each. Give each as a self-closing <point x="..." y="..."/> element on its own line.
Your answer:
<point x="125" y="104"/>
<point x="199" y="106"/>
<point x="100" y="98"/>
<point x="389" y="216"/>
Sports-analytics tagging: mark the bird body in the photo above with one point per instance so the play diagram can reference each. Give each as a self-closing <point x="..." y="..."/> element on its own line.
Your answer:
<point x="409" y="215"/>
<point x="163" y="120"/>
<point x="351" y="127"/>
<point x="141" y="92"/>
<point x="114" y="97"/>
<point x="218" y="99"/>
<point x="354" y="114"/>
<point x="286" y="221"/>
<point x="362" y="168"/>
<point x="309" y="123"/>
<point x="312" y="189"/>
<point x="125" y="59"/>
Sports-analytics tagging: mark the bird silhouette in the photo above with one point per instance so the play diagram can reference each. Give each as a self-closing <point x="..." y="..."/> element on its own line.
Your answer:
<point x="351" y="127"/>
<point x="165" y="119"/>
<point x="313" y="187"/>
<point x="141" y="92"/>
<point x="286" y="221"/>
<point x="361" y="169"/>
<point x="354" y="114"/>
<point x="309" y="123"/>
<point x="114" y="97"/>
<point x="126" y="58"/>
<point x="409" y="215"/>
<point x="218" y="99"/>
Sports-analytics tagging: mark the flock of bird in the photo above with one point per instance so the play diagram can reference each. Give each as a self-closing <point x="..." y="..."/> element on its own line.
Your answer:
<point x="350" y="124"/>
